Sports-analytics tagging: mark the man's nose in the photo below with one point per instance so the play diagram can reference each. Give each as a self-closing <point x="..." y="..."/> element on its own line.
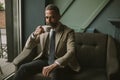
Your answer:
<point x="49" y="20"/>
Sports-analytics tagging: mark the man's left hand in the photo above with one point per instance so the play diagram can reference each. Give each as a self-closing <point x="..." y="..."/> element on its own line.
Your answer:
<point x="47" y="69"/>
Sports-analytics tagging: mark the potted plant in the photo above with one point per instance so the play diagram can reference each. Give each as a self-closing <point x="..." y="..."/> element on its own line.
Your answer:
<point x="1" y="6"/>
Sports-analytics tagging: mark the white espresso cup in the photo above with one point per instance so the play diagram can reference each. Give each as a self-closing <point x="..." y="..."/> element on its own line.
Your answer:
<point x="46" y="28"/>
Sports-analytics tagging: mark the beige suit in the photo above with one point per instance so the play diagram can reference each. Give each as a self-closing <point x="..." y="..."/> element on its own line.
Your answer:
<point x="65" y="47"/>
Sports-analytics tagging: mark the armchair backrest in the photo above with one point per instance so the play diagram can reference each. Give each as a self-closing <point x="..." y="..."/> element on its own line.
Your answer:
<point x="92" y="50"/>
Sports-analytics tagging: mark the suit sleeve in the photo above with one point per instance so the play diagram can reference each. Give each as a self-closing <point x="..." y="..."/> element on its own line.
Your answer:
<point x="32" y="41"/>
<point x="30" y="44"/>
<point x="70" y="49"/>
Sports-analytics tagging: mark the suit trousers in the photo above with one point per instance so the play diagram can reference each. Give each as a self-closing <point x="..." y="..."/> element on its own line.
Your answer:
<point x="27" y="70"/>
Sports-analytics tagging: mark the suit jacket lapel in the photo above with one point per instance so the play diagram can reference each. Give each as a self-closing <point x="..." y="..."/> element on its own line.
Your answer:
<point x="58" y="37"/>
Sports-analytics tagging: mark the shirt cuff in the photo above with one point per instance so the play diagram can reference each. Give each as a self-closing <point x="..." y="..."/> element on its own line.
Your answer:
<point x="59" y="64"/>
<point x="32" y="36"/>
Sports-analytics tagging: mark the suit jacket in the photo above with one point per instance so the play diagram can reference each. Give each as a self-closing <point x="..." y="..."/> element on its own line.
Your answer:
<point x="64" y="47"/>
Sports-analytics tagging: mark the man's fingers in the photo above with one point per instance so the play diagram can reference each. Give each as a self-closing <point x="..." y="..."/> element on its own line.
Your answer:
<point x="38" y="30"/>
<point x="46" y="71"/>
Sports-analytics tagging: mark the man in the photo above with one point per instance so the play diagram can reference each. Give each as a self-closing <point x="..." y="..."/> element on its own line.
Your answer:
<point x="64" y="54"/>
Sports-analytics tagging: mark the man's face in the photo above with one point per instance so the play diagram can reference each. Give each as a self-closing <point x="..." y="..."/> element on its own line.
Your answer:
<point x="52" y="18"/>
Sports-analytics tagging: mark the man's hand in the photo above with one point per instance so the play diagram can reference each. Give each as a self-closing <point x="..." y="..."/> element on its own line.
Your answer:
<point x="47" y="69"/>
<point x="38" y="31"/>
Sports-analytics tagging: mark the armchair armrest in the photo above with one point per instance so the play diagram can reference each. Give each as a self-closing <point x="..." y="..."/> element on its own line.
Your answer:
<point x="112" y="59"/>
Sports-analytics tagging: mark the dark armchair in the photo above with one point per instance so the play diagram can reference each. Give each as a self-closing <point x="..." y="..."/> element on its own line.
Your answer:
<point x="96" y="54"/>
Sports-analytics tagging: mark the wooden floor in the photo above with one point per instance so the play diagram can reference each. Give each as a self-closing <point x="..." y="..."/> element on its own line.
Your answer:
<point x="6" y="69"/>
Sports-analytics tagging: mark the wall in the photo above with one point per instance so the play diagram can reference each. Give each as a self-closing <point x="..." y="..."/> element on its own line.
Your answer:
<point x="78" y="15"/>
<point x="102" y="23"/>
<point x="32" y="16"/>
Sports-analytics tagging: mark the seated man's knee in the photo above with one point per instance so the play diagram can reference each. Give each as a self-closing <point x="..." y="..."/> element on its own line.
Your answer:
<point x="23" y="67"/>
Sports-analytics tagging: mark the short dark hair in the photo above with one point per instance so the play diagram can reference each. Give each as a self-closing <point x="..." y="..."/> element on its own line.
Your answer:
<point x="53" y="7"/>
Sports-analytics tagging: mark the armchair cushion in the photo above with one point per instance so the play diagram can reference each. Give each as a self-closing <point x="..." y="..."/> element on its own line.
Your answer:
<point x="91" y="50"/>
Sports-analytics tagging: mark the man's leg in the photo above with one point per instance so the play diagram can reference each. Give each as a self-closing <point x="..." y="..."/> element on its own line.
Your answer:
<point x="28" y="69"/>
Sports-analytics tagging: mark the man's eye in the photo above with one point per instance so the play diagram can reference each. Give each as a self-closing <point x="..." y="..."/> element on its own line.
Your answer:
<point x="46" y="17"/>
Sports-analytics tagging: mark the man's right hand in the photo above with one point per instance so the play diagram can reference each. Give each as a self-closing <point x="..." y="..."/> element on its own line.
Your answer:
<point x="38" y="31"/>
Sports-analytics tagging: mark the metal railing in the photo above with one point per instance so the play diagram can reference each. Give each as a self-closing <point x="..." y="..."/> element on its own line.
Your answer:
<point x="3" y="44"/>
